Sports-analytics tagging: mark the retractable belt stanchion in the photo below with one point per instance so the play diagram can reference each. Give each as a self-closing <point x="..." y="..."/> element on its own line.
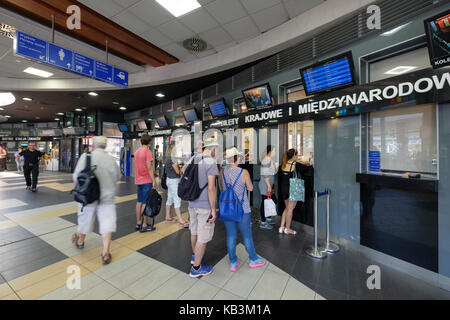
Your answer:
<point x="315" y="251"/>
<point x="330" y="247"/>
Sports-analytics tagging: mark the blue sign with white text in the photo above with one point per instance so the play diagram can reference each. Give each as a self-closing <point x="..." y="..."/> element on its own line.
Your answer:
<point x="60" y="57"/>
<point x="103" y="71"/>
<point x="83" y="64"/>
<point x="30" y="47"/>
<point x="120" y="77"/>
<point x="374" y="161"/>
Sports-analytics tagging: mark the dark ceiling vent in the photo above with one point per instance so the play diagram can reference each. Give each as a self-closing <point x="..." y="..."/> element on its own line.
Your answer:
<point x="195" y="45"/>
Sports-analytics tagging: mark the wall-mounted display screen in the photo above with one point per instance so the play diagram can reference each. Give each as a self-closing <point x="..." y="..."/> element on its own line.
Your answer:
<point x="438" y="36"/>
<point x="329" y="75"/>
<point x="190" y="115"/>
<point x="141" y="125"/>
<point x="162" y="122"/>
<point x="218" y="108"/>
<point x="123" y="127"/>
<point x="258" y="96"/>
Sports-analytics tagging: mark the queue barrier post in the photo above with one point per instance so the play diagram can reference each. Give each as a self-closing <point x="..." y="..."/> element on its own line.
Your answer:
<point x="330" y="247"/>
<point x="315" y="251"/>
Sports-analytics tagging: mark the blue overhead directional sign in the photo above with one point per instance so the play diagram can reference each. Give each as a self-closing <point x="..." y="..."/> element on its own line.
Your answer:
<point x="30" y="47"/>
<point x="103" y="71"/>
<point x="39" y="50"/>
<point x="60" y="57"/>
<point x="83" y="65"/>
<point x="120" y="77"/>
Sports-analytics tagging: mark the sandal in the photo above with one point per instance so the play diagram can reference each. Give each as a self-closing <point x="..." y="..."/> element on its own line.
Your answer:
<point x="138" y="226"/>
<point x="147" y="229"/>
<point x="281" y="230"/>
<point x="170" y="220"/>
<point x="107" y="260"/>
<point x="289" y="231"/>
<point x="184" y="225"/>
<point x="75" y="239"/>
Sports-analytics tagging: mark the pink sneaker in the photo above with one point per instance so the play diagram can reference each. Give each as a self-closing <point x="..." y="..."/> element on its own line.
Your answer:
<point x="233" y="266"/>
<point x="257" y="263"/>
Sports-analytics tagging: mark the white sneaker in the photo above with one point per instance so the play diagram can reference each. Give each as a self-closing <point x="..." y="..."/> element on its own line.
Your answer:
<point x="280" y="230"/>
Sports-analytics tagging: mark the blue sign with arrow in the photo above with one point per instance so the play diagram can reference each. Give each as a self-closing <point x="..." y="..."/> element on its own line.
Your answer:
<point x="30" y="47"/>
<point x="120" y="77"/>
<point x="60" y="57"/>
<point x="83" y="65"/>
<point x="103" y="71"/>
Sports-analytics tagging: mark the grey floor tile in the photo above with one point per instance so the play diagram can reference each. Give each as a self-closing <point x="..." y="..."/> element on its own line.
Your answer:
<point x="244" y="280"/>
<point x="224" y="295"/>
<point x="173" y="288"/>
<point x="295" y="290"/>
<point x="200" y="291"/>
<point x="270" y="286"/>
<point x="102" y="291"/>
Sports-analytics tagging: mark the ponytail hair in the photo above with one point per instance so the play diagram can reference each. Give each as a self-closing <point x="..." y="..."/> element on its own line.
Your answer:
<point x="288" y="155"/>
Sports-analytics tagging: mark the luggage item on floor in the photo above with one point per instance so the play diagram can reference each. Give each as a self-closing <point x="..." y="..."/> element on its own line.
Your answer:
<point x="87" y="189"/>
<point x="153" y="207"/>
<point x="230" y="207"/>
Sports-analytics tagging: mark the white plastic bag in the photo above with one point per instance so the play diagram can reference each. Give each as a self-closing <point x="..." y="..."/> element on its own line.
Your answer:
<point x="270" y="209"/>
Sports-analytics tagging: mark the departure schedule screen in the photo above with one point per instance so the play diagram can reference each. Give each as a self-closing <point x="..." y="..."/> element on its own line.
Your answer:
<point x="218" y="108"/>
<point x="329" y="75"/>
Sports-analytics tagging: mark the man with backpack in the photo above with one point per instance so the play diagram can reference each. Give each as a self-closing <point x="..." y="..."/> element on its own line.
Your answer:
<point x="198" y="186"/>
<point x="107" y="173"/>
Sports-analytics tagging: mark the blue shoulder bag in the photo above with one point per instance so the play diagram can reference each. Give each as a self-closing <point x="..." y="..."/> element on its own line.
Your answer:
<point x="230" y="207"/>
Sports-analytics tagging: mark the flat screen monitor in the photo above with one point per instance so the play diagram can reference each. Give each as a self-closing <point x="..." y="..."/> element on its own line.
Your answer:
<point x="190" y="115"/>
<point x="259" y="96"/>
<point x="142" y="125"/>
<point x="328" y="75"/>
<point x="218" y="108"/>
<point x="437" y="29"/>
<point x="123" y="127"/>
<point x="162" y="122"/>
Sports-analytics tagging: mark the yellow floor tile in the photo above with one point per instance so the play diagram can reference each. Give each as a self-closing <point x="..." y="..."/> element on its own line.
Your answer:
<point x="11" y="297"/>
<point x="152" y="237"/>
<point x="7" y="224"/>
<point x="5" y="290"/>
<point x="93" y="253"/>
<point x="46" y="286"/>
<point x="41" y="274"/>
<point x="116" y="254"/>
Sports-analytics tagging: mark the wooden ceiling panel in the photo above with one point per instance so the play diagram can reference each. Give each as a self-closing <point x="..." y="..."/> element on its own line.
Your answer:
<point x="95" y="30"/>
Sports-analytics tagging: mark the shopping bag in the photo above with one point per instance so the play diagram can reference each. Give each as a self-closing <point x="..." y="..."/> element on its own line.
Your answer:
<point x="270" y="209"/>
<point x="296" y="188"/>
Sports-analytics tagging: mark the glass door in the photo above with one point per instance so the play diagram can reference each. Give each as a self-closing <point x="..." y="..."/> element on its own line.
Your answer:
<point x="301" y="137"/>
<point x="66" y="152"/>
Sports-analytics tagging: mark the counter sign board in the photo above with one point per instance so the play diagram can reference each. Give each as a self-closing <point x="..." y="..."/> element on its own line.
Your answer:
<point x="374" y="161"/>
<point x="36" y="49"/>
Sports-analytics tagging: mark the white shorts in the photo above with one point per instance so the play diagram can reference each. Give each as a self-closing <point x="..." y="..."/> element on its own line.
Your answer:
<point x="106" y="214"/>
<point x="172" y="193"/>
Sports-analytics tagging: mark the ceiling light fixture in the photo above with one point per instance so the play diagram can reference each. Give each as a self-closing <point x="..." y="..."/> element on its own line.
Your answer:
<point x="7" y="116"/>
<point x="160" y="95"/>
<point x="93" y="94"/>
<point x="24" y="121"/>
<point x="38" y="72"/>
<point x="6" y="98"/>
<point x="115" y="102"/>
<point x="400" y="70"/>
<point x="78" y="109"/>
<point x="60" y="114"/>
<point x="179" y="7"/>
<point x="395" y="30"/>
<point x="56" y="119"/>
<point x="27" y="99"/>
<point x="7" y="31"/>
<point x="123" y="108"/>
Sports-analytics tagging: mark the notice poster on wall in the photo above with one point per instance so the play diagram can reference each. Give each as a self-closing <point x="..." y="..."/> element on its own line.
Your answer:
<point x="374" y="161"/>
<point x="438" y="34"/>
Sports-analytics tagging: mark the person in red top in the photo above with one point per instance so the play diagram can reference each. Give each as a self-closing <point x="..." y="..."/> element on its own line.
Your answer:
<point x="144" y="179"/>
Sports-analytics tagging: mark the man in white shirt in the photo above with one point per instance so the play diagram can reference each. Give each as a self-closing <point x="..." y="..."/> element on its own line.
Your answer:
<point x="107" y="172"/>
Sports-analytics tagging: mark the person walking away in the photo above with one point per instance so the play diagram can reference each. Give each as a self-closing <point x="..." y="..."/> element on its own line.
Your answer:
<point x="240" y="178"/>
<point x="108" y="173"/>
<point x="269" y="169"/>
<point x="3" y="155"/>
<point x="287" y="172"/>
<point x="145" y="181"/>
<point x="173" y="173"/>
<point x="19" y="160"/>
<point x="31" y="158"/>
<point x="202" y="211"/>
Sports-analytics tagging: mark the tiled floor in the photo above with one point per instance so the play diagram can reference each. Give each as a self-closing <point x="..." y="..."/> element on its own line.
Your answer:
<point x="35" y="252"/>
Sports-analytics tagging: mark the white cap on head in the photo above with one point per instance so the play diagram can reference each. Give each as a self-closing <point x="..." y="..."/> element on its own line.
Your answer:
<point x="232" y="152"/>
<point x="100" y="141"/>
<point x="210" y="142"/>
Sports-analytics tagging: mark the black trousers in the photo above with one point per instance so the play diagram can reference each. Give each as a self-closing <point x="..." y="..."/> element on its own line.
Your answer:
<point x="3" y="164"/>
<point x="261" y="208"/>
<point x="29" y="171"/>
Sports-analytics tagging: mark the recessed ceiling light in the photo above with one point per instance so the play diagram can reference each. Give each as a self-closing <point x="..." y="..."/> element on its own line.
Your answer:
<point x="27" y="99"/>
<point x="160" y="95"/>
<point x="60" y="114"/>
<point x="6" y="98"/>
<point x="400" y="70"/>
<point x="1" y="109"/>
<point x="395" y="30"/>
<point x="56" y="119"/>
<point x="179" y="7"/>
<point x="7" y="116"/>
<point x="123" y="108"/>
<point x="78" y="109"/>
<point x="115" y="102"/>
<point x="94" y="94"/>
<point x="24" y="121"/>
<point x="37" y="118"/>
<point x="38" y="72"/>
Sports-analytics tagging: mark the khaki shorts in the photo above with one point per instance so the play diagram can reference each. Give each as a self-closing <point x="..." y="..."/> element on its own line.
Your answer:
<point x="198" y="225"/>
<point x="106" y="214"/>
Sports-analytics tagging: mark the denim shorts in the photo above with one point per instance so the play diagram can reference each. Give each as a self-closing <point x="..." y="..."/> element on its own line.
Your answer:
<point x="143" y="191"/>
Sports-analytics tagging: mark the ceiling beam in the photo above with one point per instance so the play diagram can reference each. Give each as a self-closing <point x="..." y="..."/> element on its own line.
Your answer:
<point x="42" y="12"/>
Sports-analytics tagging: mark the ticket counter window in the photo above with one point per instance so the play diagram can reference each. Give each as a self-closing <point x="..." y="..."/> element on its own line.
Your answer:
<point x="406" y="139"/>
<point x="301" y="137"/>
